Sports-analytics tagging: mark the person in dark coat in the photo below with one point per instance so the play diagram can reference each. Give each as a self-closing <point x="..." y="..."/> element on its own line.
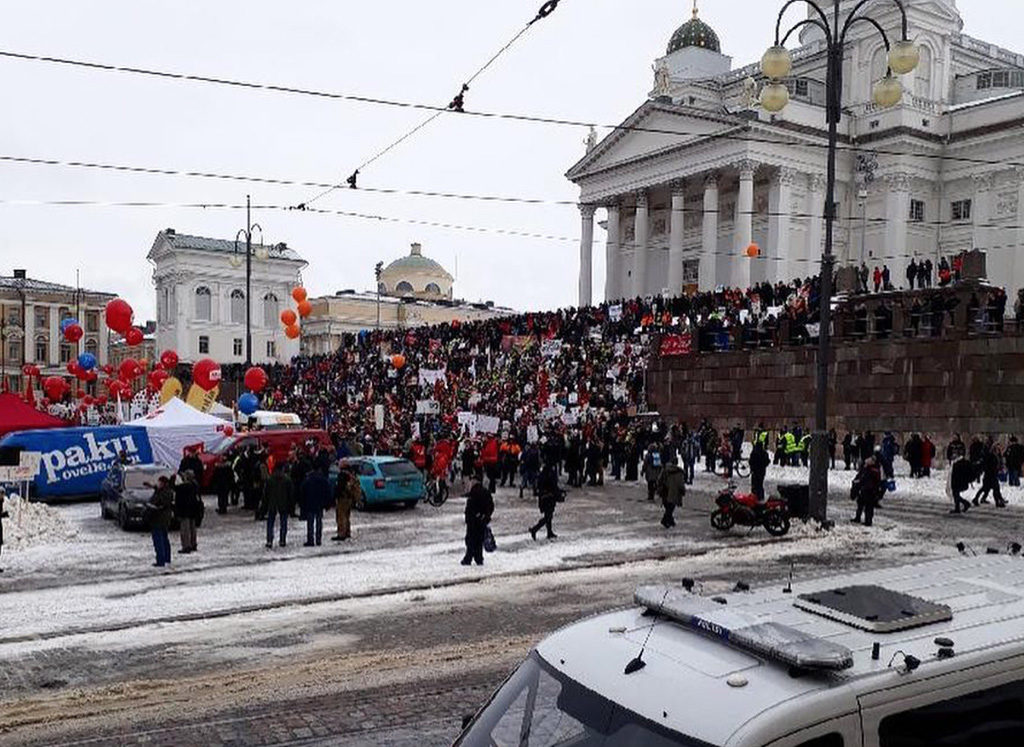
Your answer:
<point x="960" y="476"/>
<point x="759" y="461"/>
<point x="671" y="489"/>
<point x="278" y="497"/>
<point x="990" y="478"/>
<point x="161" y="507"/>
<point x="479" y="509"/>
<point x="190" y="462"/>
<point x="315" y="496"/>
<point x="3" y="515"/>
<point x="1014" y="458"/>
<point x="187" y="507"/>
<point x="867" y="490"/>
<point x="222" y="482"/>
<point x="548" y="494"/>
<point x="347" y="493"/>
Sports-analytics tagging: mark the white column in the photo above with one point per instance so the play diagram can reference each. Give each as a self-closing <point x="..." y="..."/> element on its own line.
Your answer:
<point x="778" y="254"/>
<point x="897" y="213"/>
<point x="1014" y="280"/>
<point x="182" y="299"/>
<point x="981" y="214"/>
<point x="587" y="255"/>
<point x="677" y="225"/>
<point x="707" y="272"/>
<point x="613" y="267"/>
<point x="640" y="233"/>
<point x="29" y="336"/>
<point x="744" y="223"/>
<point x="55" y="335"/>
<point x="811" y="256"/>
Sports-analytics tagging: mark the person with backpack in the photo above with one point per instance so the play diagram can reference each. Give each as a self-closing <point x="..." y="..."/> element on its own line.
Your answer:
<point x="867" y="490"/>
<point x="479" y="509"/>
<point x="652" y="468"/>
<point x="671" y="489"/>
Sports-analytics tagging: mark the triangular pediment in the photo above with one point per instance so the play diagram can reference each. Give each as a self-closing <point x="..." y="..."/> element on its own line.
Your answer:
<point x="652" y="129"/>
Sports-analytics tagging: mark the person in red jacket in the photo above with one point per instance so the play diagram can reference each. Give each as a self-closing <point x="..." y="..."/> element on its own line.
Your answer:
<point x="489" y="456"/>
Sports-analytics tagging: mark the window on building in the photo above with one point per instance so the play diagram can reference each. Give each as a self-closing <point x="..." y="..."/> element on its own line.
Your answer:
<point x="42" y="316"/>
<point x="984" y="81"/>
<point x="1001" y="79"/>
<point x="403" y="287"/>
<point x="204" y="345"/>
<point x="65" y="353"/>
<point x="923" y="74"/>
<point x="271" y="310"/>
<point x="236" y="346"/>
<point x="433" y="288"/>
<point x="92" y="346"/>
<point x="42" y="350"/>
<point x="238" y="306"/>
<point x="13" y="315"/>
<point x="204" y="304"/>
<point x="917" y="211"/>
<point x="1017" y="79"/>
<point x="271" y="349"/>
<point x="800" y="87"/>
<point x="14" y="351"/>
<point x="92" y="321"/>
<point x="63" y="313"/>
<point x="960" y="210"/>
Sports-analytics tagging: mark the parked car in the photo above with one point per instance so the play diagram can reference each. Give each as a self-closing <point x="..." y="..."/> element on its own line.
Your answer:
<point x="278" y="444"/>
<point x="384" y="480"/>
<point x="126" y="490"/>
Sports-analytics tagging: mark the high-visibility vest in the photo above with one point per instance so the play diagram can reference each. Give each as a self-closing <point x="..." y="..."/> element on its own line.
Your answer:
<point x="761" y="437"/>
<point x="791" y="444"/>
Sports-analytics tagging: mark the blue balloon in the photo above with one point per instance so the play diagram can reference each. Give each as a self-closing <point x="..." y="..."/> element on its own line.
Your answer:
<point x="248" y="403"/>
<point x="67" y="323"/>
<point x="87" y="361"/>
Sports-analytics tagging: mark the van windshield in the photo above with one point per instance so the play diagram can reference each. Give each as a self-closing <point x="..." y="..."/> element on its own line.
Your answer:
<point x="540" y="707"/>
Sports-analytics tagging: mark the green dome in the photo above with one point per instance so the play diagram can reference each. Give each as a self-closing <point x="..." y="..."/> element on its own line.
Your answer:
<point x="694" y="33"/>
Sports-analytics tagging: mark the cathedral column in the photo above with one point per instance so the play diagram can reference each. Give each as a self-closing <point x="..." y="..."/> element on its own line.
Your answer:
<point x="675" y="239"/>
<point x="981" y="211"/>
<point x="744" y="225"/>
<point x="809" y="264"/>
<point x="613" y="266"/>
<point x="640" y="234"/>
<point x="779" y="254"/>
<point x="707" y="273"/>
<point x="897" y="213"/>
<point x="587" y="255"/>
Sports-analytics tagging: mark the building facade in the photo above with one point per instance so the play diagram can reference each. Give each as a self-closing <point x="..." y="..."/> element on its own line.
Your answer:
<point x="31" y="312"/>
<point x="699" y="172"/>
<point x="413" y="291"/>
<point x="201" y="298"/>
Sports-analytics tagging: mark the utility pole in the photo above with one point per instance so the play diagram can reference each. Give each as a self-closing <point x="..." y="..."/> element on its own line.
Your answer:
<point x="247" y="231"/>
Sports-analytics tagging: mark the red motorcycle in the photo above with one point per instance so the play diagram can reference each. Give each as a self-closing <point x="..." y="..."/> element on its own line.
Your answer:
<point x="745" y="510"/>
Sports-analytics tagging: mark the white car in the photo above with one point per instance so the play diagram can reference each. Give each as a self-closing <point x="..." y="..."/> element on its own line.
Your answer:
<point x="918" y="655"/>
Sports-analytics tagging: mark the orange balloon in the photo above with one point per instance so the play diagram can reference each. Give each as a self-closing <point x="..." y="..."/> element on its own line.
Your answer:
<point x="753" y="251"/>
<point x="292" y="331"/>
<point x="299" y="294"/>
<point x="305" y="309"/>
<point x="288" y="317"/>
<point x="398" y="361"/>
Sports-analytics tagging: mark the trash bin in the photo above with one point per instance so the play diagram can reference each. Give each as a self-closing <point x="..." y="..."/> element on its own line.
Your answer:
<point x="799" y="499"/>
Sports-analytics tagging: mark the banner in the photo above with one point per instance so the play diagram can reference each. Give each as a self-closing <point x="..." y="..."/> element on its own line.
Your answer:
<point x="615" y="312"/>
<point x="551" y="348"/>
<point x="74" y="461"/>
<point x="517" y="342"/>
<point x="532" y="434"/>
<point x="427" y="377"/>
<point x="487" y="424"/>
<point x="428" y="407"/>
<point x="813" y="329"/>
<point x="378" y="417"/>
<point x="466" y="418"/>
<point x="672" y="345"/>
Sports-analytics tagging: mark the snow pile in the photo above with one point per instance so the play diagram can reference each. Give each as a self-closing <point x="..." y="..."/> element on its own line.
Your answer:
<point x="31" y="524"/>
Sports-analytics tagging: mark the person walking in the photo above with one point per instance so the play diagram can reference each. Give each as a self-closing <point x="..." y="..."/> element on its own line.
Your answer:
<point x="652" y="468"/>
<point x="671" y="489"/>
<point x="759" y="461"/>
<point x="990" y="478"/>
<point x="867" y="491"/>
<point x="161" y="512"/>
<point x="1014" y="458"/>
<point x="479" y="509"/>
<point x="187" y="507"/>
<point x="548" y="497"/>
<point x="347" y="493"/>
<point x="278" y="496"/>
<point x="315" y="497"/>
<point x="222" y="484"/>
<point x="3" y="515"/>
<point x="960" y="476"/>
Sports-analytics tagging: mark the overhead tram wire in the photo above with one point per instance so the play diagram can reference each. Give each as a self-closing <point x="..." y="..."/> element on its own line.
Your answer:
<point x="517" y="117"/>
<point x="480" y="229"/>
<point x="457" y="105"/>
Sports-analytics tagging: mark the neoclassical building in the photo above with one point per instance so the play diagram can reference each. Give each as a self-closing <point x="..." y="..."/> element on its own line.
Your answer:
<point x="699" y="171"/>
<point x="416" y="276"/>
<point x="201" y="298"/>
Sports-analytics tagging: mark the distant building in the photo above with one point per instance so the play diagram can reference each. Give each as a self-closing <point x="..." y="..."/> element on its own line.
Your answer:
<point x="119" y="349"/>
<point x="413" y="291"/>
<point x="682" y="209"/>
<point x="31" y="312"/>
<point x="201" y="300"/>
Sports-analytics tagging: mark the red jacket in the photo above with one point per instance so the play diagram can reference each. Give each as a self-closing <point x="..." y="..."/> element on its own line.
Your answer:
<point x="489" y="454"/>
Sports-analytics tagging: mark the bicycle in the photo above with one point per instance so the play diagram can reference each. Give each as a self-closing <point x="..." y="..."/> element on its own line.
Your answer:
<point x="436" y="492"/>
<point x="740" y="468"/>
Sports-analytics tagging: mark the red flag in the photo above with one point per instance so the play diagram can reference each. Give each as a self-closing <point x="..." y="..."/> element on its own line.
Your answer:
<point x="676" y="345"/>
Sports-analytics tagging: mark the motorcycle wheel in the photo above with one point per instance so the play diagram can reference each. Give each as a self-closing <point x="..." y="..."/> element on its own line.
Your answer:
<point x="721" y="521"/>
<point x="742" y="469"/>
<point x="776" y="523"/>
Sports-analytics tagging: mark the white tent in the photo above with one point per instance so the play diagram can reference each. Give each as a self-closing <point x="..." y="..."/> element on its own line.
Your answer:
<point x="174" y="426"/>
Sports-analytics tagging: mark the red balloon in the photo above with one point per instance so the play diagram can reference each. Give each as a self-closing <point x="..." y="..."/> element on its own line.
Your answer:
<point x="133" y="336"/>
<point x="108" y="369"/>
<point x="157" y="378"/>
<point x="27" y="369"/>
<point x="292" y="331"/>
<point x="288" y="317"/>
<point x="80" y="394"/>
<point x="119" y="315"/>
<point x="129" y="369"/>
<point x="55" y="386"/>
<point x="299" y="294"/>
<point x="168" y="359"/>
<point x="256" y="379"/>
<point x="305" y="309"/>
<point x="206" y="373"/>
<point x="101" y="400"/>
<point x="229" y="431"/>
<point x="73" y="333"/>
<point x="74" y="369"/>
<point x="398" y="361"/>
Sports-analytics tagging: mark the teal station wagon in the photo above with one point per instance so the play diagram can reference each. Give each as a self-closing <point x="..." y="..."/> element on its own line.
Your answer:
<point x="384" y="480"/>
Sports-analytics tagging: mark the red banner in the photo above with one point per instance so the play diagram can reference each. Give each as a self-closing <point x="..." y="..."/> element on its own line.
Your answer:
<point x="676" y="345"/>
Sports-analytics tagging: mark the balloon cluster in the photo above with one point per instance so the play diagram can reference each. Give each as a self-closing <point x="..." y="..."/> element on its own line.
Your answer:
<point x="290" y="319"/>
<point x="119" y="317"/>
<point x="256" y="381"/>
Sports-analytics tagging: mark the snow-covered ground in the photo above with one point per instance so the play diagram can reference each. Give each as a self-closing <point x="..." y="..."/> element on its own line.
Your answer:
<point x="31" y="524"/>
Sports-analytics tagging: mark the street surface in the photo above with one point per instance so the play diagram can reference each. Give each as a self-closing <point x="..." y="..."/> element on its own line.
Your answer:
<point x="385" y="639"/>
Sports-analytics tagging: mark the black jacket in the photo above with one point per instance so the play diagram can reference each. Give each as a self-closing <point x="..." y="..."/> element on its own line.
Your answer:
<point x="479" y="507"/>
<point x="186" y="501"/>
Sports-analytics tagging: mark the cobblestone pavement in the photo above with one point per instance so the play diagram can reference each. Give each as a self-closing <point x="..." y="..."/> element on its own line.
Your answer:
<point x="396" y="668"/>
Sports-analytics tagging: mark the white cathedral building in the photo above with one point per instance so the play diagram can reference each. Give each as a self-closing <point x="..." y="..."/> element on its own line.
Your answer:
<point x="699" y="171"/>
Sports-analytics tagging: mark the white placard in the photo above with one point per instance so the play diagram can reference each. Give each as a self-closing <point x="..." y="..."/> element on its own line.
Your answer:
<point x="378" y="417"/>
<point x="466" y="418"/>
<point x="428" y="377"/>
<point x="487" y="424"/>
<point x="428" y="407"/>
<point x="615" y="312"/>
<point x="532" y="434"/>
<point x="551" y="348"/>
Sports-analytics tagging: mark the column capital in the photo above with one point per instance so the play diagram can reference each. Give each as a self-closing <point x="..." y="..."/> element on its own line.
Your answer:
<point x="678" y="187"/>
<point x="898" y="181"/>
<point x="1017" y="175"/>
<point x="983" y="181"/>
<point x="747" y="167"/>
<point x="641" y="198"/>
<point x="711" y="180"/>
<point x="587" y="210"/>
<point x="816" y="182"/>
<point x="784" y="176"/>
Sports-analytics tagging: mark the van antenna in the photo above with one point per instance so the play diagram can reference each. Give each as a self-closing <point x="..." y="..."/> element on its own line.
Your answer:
<point x="789" y="586"/>
<point x="638" y="663"/>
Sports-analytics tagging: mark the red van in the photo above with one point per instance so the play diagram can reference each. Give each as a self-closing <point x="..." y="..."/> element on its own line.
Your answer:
<point x="278" y="444"/>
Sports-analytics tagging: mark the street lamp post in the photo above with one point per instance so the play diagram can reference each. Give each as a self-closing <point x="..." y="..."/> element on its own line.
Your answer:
<point x="377" y="271"/>
<point x="776" y="65"/>
<point x="247" y="232"/>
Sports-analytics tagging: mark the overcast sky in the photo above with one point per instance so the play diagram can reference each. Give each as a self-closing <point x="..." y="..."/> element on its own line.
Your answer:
<point x="589" y="61"/>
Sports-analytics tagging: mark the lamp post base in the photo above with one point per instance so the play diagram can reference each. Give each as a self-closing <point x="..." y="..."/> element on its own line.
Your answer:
<point x="818" y="479"/>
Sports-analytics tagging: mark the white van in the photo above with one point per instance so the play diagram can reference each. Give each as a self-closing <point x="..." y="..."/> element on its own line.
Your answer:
<point x="918" y="655"/>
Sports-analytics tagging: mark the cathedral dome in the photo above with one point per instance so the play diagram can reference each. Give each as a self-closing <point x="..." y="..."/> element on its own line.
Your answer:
<point x="416" y="276"/>
<point x="694" y="33"/>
